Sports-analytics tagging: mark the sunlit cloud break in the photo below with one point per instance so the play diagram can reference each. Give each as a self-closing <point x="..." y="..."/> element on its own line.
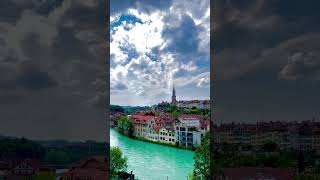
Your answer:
<point x="152" y="48"/>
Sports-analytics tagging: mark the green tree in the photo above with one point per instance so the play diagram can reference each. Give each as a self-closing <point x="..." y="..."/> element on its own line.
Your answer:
<point x="118" y="162"/>
<point x="116" y="108"/>
<point x="125" y="126"/>
<point x="175" y="113"/>
<point x="171" y="108"/>
<point x="202" y="159"/>
<point x="57" y="157"/>
<point x="129" y="127"/>
<point x="121" y="123"/>
<point x="21" y="148"/>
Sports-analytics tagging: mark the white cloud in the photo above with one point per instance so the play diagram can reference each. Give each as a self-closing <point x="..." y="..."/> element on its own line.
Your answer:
<point x="201" y="80"/>
<point x="150" y="79"/>
<point x="31" y="23"/>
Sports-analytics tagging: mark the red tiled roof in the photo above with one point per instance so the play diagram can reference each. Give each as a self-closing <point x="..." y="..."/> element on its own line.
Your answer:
<point x="101" y="161"/>
<point x="34" y="163"/>
<point x="83" y="169"/>
<point x="139" y="119"/>
<point x="257" y="173"/>
<point x="90" y="173"/>
<point x="191" y="116"/>
<point x="167" y="117"/>
<point x="144" y="113"/>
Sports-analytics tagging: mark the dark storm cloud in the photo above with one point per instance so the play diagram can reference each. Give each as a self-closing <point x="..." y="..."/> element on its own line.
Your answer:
<point x="266" y="58"/>
<point x="183" y="38"/>
<point x="35" y="79"/>
<point x="53" y="83"/>
<point x="9" y="11"/>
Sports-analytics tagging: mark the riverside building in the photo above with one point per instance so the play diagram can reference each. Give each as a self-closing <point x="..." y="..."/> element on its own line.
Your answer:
<point x="187" y="130"/>
<point x="304" y="135"/>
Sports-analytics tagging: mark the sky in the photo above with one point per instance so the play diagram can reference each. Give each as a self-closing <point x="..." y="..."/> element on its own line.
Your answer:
<point x="155" y="45"/>
<point x="54" y="54"/>
<point x="53" y="69"/>
<point x="266" y="60"/>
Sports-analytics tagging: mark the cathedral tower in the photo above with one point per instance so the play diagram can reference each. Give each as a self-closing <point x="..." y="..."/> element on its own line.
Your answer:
<point x="173" y="98"/>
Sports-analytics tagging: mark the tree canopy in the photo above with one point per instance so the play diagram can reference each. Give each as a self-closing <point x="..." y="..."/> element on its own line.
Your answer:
<point x="118" y="162"/>
<point x="202" y="159"/>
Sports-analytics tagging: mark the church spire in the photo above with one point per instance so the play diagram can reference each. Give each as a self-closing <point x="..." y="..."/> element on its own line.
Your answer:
<point x="173" y="98"/>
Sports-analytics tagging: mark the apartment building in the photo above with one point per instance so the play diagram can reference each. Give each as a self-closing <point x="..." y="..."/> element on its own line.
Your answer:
<point x="188" y="130"/>
<point x="167" y="134"/>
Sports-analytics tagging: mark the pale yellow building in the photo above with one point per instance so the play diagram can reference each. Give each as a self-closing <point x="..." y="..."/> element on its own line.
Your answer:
<point x="167" y="135"/>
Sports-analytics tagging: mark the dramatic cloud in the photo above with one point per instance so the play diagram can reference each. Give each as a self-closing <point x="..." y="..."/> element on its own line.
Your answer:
<point x="155" y="45"/>
<point x="301" y="66"/>
<point x="53" y="69"/>
<point x="266" y="60"/>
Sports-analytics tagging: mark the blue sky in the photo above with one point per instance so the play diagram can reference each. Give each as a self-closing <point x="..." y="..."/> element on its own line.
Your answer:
<point x="155" y="45"/>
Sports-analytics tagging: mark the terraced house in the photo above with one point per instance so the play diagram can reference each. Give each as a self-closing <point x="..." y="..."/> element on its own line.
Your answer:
<point x="186" y="130"/>
<point x="167" y="134"/>
<point x="140" y="123"/>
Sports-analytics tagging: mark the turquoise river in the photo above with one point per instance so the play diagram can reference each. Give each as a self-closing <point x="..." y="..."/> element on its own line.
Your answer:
<point x="150" y="161"/>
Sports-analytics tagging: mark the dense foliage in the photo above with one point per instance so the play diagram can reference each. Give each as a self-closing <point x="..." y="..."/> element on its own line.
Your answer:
<point x="118" y="162"/>
<point x="58" y="157"/>
<point x="21" y="148"/>
<point x="176" y="111"/>
<point x="50" y="152"/>
<point x="132" y="109"/>
<point x="202" y="159"/>
<point x="116" y="108"/>
<point x="125" y="126"/>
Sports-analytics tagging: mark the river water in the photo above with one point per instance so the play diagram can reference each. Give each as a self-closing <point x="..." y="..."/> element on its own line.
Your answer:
<point x="150" y="161"/>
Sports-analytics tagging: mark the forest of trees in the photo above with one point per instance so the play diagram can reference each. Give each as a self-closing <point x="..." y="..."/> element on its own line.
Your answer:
<point x="58" y="155"/>
<point x="128" y="109"/>
<point x="176" y="111"/>
<point x="21" y="148"/>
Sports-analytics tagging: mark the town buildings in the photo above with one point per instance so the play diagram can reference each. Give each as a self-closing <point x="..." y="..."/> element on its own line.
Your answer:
<point x="199" y="104"/>
<point x="141" y="122"/>
<point x="167" y="134"/>
<point x="255" y="173"/>
<point x="89" y="168"/>
<point x="21" y="168"/>
<point x="186" y="130"/>
<point x="189" y="130"/>
<point x="287" y="135"/>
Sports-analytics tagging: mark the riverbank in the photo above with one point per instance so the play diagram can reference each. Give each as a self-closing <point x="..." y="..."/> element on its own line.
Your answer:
<point x="153" y="142"/>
